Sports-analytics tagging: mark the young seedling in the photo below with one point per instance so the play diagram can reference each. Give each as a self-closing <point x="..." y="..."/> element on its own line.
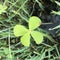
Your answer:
<point x="20" y="30"/>
<point x="2" y="8"/>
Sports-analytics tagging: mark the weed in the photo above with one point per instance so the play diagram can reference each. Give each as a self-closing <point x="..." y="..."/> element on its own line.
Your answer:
<point x="19" y="12"/>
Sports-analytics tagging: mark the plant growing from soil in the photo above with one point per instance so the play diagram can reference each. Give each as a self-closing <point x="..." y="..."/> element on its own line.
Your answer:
<point x="20" y="30"/>
<point x="18" y="12"/>
<point x="58" y="13"/>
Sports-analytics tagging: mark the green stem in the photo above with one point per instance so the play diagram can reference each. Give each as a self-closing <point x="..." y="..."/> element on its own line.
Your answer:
<point x="50" y="38"/>
<point x="47" y="34"/>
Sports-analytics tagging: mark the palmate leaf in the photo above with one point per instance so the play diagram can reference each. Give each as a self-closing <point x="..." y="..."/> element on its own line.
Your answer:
<point x="19" y="30"/>
<point x="37" y="36"/>
<point x="26" y="39"/>
<point x="34" y="22"/>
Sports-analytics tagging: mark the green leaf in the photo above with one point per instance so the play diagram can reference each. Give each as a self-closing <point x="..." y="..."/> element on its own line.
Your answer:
<point x="19" y="30"/>
<point x="54" y="12"/>
<point x="10" y="57"/>
<point x="57" y="27"/>
<point x="26" y="39"/>
<point x="49" y="37"/>
<point x="58" y="3"/>
<point x="2" y="8"/>
<point x="37" y="36"/>
<point x="34" y="22"/>
<point x="6" y="51"/>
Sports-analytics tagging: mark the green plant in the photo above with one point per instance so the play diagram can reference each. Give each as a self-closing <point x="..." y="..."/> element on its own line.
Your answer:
<point x="58" y="3"/>
<point x="56" y="12"/>
<point x="2" y="8"/>
<point x="20" y="30"/>
<point x="18" y="13"/>
<point x="55" y="27"/>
